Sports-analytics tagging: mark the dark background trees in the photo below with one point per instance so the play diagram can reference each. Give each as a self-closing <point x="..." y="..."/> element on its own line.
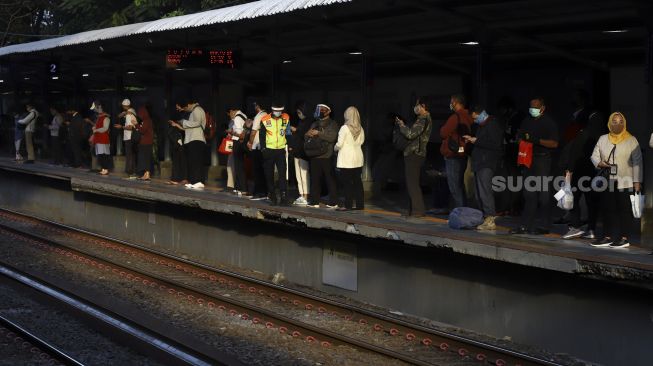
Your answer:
<point x="29" y="20"/>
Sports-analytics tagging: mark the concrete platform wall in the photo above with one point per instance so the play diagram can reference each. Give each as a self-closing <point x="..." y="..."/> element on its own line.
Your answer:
<point x="590" y="319"/>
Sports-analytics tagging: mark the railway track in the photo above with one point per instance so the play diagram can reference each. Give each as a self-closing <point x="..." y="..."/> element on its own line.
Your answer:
<point x="32" y="344"/>
<point x="156" y="346"/>
<point x="260" y="301"/>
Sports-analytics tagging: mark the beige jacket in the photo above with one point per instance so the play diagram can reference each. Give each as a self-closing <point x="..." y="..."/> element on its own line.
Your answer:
<point x="627" y="157"/>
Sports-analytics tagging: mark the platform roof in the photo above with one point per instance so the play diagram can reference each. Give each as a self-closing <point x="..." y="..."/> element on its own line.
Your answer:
<point x="315" y="43"/>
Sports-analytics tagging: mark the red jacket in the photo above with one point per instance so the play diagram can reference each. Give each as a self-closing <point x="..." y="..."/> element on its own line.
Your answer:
<point x="101" y="137"/>
<point x="145" y="128"/>
<point x="451" y="130"/>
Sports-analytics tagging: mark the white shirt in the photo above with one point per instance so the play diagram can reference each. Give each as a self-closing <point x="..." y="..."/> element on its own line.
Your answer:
<point x="256" y="126"/>
<point x="350" y="153"/>
<point x="239" y="125"/>
<point x="130" y="120"/>
<point x="29" y="120"/>
<point x="193" y="126"/>
<point x="57" y="120"/>
<point x="650" y="143"/>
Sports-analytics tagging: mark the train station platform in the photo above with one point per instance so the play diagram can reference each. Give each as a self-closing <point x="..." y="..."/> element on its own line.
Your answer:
<point x="632" y="266"/>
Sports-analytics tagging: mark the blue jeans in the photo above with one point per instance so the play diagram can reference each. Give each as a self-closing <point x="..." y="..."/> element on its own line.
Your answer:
<point x="455" y="169"/>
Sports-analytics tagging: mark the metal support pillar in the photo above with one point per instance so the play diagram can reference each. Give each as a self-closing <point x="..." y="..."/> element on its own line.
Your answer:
<point x="169" y="106"/>
<point x="120" y="92"/>
<point x="367" y="82"/>
<point x="213" y="108"/>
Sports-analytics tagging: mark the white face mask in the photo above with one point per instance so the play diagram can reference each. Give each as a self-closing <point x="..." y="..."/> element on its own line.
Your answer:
<point x="535" y="112"/>
<point x="276" y="114"/>
<point x="416" y="109"/>
<point x="300" y="114"/>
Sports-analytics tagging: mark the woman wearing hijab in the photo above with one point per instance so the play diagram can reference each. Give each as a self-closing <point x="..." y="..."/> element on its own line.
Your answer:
<point x="145" y="144"/>
<point x="618" y="153"/>
<point x="350" y="159"/>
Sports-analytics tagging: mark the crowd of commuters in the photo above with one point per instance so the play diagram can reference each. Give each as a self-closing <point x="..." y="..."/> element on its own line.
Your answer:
<point x="318" y="149"/>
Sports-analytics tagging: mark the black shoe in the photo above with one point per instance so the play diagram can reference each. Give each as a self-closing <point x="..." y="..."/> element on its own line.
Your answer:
<point x="284" y="200"/>
<point x="601" y="243"/>
<point x="519" y="230"/>
<point x="562" y="221"/>
<point x="273" y="200"/>
<point x="623" y="243"/>
<point x="538" y="231"/>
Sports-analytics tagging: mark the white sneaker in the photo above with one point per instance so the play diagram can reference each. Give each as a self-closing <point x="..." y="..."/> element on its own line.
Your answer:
<point x="573" y="233"/>
<point x="332" y="207"/>
<point x="188" y="185"/>
<point x="301" y="201"/>
<point x="198" y="185"/>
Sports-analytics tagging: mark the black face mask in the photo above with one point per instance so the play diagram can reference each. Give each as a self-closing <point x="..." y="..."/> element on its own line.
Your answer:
<point x="322" y="115"/>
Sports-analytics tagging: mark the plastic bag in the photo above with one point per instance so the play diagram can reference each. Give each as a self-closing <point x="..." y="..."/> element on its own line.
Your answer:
<point x="637" y="201"/>
<point x="565" y="196"/>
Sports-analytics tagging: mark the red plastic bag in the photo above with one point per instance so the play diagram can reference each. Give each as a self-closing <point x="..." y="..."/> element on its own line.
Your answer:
<point x="226" y="146"/>
<point x="525" y="155"/>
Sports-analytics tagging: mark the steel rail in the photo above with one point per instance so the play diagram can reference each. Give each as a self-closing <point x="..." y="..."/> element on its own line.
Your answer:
<point x="440" y="338"/>
<point x="134" y="331"/>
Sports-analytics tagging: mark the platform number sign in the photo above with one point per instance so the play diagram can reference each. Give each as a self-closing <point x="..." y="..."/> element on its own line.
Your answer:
<point x="53" y="68"/>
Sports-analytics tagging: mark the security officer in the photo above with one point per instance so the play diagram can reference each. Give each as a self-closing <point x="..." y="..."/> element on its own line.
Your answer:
<point x="273" y="146"/>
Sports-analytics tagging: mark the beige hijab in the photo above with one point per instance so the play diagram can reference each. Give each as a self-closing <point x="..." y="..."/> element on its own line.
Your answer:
<point x="353" y="121"/>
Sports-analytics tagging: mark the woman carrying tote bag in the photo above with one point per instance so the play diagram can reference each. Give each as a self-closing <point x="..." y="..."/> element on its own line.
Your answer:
<point x="619" y="155"/>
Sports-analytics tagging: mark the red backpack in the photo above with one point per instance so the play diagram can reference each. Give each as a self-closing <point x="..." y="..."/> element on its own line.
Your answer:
<point x="210" y="128"/>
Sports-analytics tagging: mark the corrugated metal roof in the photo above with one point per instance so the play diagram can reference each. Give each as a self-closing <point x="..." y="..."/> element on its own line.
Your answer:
<point x="230" y="14"/>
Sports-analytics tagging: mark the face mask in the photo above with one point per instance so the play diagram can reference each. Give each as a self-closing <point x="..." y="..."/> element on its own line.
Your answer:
<point x="451" y="106"/>
<point x="535" y="112"/>
<point x="416" y="109"/>
<point x="300" y="114"/>
<point x="276" y="113"/>
<point x="481" y="117"/>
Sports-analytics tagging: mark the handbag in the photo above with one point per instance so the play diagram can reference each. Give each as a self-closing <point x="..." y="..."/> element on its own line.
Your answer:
<point x="605" y="172"/>
<point x="136" y="137"/>
<point x="315" y="146"/>
<point x="226" y="146"/>
<point x="525" y="154"/>
<point x="399" y="141"/>
<point x="91" y="140"/>
<point x="637" y="202"/>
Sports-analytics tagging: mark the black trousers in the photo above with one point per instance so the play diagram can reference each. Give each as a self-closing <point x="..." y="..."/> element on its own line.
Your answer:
<point x="75" y="144"/>
<point x="542" y="194"/>
<point x="240" y="179"/>
<point x="144" y="159"/>
<point x="56" y="149"/>
<point x="593" y="200"/>
<point x="260" y="181"/>
<point x="272" y="158"/>
<point x="353" y="186"/>
<point x="179" y="166"/>
<point x="130" y="157"/>
<point x="321" y="167"/>
<point x="412" y="167"/>
<point x="105" y="161"/>
<point x="617" y="213"/>
<point x="195" y="160"/>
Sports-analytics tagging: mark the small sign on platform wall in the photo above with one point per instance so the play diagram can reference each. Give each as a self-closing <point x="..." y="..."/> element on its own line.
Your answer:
<point x="340" y="266"/>
<point x="151" y="216"/>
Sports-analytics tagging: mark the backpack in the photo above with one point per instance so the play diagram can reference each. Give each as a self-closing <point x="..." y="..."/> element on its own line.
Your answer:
<point x="210" y="128"/>
<point x="465" y="218"/>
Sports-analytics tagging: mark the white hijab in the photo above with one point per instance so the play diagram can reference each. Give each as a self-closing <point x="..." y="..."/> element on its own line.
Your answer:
<point x="353" y="121"/>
